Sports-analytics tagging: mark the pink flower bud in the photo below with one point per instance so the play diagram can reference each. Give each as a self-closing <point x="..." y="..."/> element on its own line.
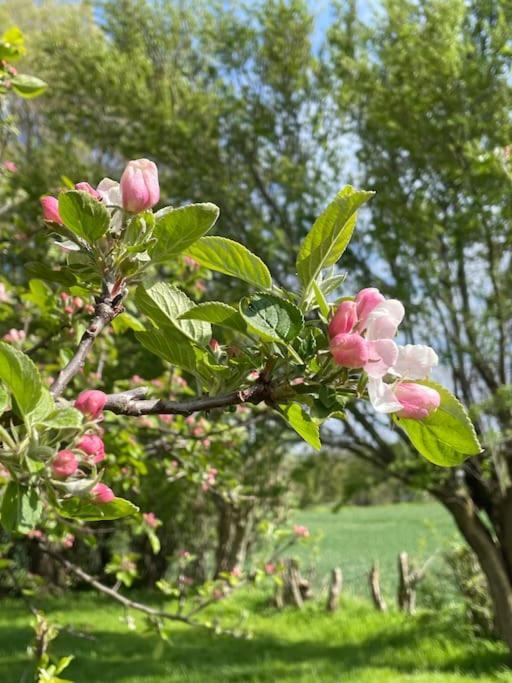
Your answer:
<point x="91" y="403"/>
<point x="78" y="302"/>
<point x="14" y="336"/>
<point x="301" y="531"/>
<point x="64" y="464"/>
<point x="64" y="296"/>
<point x="93" y="446"/>
<point x="344" y="320"/>
<point x="350" y="350"/>
<point x="366" y="300"/>
<point x="214" y="345"/>
<point x="151" y="519"/>
<point x="51" y="209"/>
<point x="10" y="166"/>
<point x="85" y="187"/>
<point x="68" y="541"/>
<point x="418" y="401"/>
<point x="139" y="185"/>
<point x="270" y="568"/>
<point x="101" y="493"/>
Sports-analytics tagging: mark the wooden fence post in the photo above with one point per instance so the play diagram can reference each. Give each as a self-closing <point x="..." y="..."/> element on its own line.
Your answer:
<point x="335" y="586"/>
<point x="374" y="581"/>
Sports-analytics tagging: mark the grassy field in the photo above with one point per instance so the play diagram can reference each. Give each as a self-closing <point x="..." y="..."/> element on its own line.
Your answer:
<point x="355" y="537"/>
<point x="355" y="645"/>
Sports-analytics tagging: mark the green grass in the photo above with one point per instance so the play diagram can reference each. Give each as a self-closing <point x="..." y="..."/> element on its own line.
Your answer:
<point x="355" y="537"/>
<point x="355" y="645"/>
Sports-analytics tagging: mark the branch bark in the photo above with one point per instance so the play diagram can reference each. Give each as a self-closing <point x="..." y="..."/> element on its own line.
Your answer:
<point x="126" y="404"/>
<point x="107" y="308"/>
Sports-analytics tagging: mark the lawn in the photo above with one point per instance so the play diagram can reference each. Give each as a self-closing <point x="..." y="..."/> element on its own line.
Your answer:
<point x="355" y="537"/>
<point x="355" y="645"/>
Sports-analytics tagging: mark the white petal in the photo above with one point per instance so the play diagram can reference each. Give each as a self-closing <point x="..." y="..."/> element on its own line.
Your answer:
<point x="383" y="355"/>
<point x="384" y="320"/>
<point x="415" y="361"/>
<point x="382" y="396"/>
<point x="110" y="192"/>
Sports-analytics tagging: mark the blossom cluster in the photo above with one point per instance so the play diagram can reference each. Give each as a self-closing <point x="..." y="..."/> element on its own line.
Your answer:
<point x="137" y="191"/>
<point x="88" y="451"/>
<point x="362" y="335"/>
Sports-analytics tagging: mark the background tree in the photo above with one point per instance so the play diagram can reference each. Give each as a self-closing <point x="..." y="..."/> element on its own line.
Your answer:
<point x="428" y="90"/>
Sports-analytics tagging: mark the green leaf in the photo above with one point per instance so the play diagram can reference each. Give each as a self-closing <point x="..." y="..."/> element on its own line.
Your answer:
<point x="28" y="86"/>
<point x="447" y="436"/>
<point x="4" y="400"/>
<point x="330" y="234"/>
<point x="126" y="321"/>
<point x="231" y="258"/>
<point x="84" y="215"/>
<point x="21" y="508"/>
<point x="87" y="510"/>
<point x="21" y="376"/>
<point x="63" y="418"/>
<point x="321" y="300"/>
<point x="164" y="304"/>
<point x="301" y="422"/>
<point x="178" y="229"/>
<point x="216" y="313"/>
<point x="271" y="317"/>
<point x="170" y="345"/>
<point x="12" y="45"/>
<point x="62" y="275"/>
<point x="44" y="407"/>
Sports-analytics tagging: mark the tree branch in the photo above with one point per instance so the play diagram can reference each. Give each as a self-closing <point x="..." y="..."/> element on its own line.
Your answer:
<point x="126" y="404"/>
<point x="133" y="604"/>
<point x="107" y="308"/>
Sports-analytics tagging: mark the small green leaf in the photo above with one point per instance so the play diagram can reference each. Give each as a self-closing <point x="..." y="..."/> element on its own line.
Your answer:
<point x="330" y="234"/>
<point x="21" y="376"/>
<point x="61" y="275"/>
<point x="178" y="229"/>
<point x="63" y="418"/>
<point x="21" y="508"/>
<point x="4" y="400"/>
<point x="84" y="215"/>
<point x="164" y="304"/>
<point x="28" y="86"/>
<point x="170" y="345"/>
<point x="87" y="510"/>
<point x="271" y="317"/>
<point x="127" y="321"/>
<point x="216" y="313"/>
<point x="301" y="422"/>
<point x="447" y="436"/>
<point x="321" y="300"/>
<point x="231" y="258"/>
<point x="44" y="407"/>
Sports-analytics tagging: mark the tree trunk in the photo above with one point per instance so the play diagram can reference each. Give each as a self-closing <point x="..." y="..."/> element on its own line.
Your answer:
<point x="233" y="535"/>
<point x="491" y="561"/>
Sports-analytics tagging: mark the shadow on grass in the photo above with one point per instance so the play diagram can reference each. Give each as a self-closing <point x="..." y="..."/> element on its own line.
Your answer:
<point x="117" y="656"/>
